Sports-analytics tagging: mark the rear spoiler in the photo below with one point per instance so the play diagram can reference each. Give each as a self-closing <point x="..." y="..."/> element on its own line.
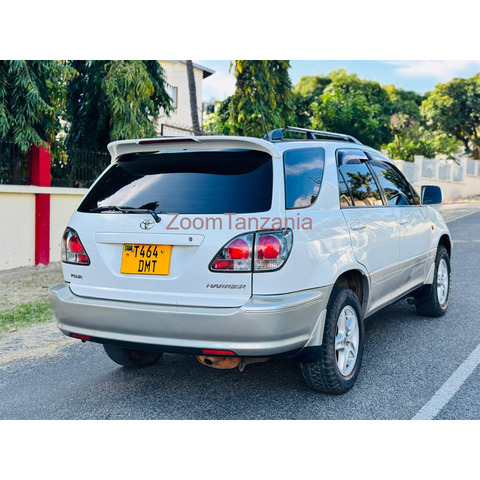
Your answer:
<point x="158" y="144"/>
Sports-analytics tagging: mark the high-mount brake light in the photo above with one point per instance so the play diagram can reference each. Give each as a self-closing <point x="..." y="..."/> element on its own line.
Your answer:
<point x="258" y="252"/>
<point x="166" y="140"/>
<point x="72" y="248"/>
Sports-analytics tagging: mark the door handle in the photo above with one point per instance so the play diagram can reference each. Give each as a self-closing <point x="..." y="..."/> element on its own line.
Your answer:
<point x="402" y="220"/>
<point x="358" y="225"/>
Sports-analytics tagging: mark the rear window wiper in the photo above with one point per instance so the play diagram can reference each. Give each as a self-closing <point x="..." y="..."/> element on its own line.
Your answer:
<point x="126" y="210"/>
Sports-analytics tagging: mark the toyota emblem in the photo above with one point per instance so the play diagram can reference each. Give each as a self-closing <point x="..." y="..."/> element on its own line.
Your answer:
<point x="147" y="224"/>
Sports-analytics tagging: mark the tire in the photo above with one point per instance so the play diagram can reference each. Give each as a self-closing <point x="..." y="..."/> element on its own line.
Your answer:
<point x="131" y="358"/>
<point x="336" y="370"/>
<point x="433" y="299"/>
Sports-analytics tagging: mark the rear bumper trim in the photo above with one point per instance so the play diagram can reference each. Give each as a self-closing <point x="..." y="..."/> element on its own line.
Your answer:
<point x="265" y="325"/>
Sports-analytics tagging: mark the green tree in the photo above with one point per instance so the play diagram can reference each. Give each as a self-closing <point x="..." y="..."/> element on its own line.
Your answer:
<point x="402" y="102"/>
<point x="412" y="136"/>
<point x="306" y="92"/>
<point x="454" y="109"/>
<point x="416" y="139"/>
<point x="32" y="96"/>
<point x="263" y="86"/>
<point x="218" y="123"/>
<point x="113" y="100"/>
<point x="356" y="107"/>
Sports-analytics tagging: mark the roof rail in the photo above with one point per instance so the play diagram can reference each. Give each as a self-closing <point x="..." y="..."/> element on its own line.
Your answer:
<point x="278" y="134"/>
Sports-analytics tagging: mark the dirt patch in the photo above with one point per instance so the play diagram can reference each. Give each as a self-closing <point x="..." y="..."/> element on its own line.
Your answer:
<point x="22" y="286"/>
<point x="34" y="342"/>
<point x="28" y="284"/>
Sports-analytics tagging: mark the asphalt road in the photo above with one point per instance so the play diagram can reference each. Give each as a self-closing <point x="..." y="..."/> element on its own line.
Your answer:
<point x="412" y="366"/>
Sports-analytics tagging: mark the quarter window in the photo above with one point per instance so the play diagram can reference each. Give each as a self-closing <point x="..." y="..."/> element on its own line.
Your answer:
<point x="303" y="176"/>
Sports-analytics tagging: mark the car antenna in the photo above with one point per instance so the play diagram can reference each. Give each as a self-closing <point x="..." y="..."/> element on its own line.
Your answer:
<point x="263" y="118"/>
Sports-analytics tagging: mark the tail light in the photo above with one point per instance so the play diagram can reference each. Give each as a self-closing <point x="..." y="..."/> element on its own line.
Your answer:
<point x="72" y="248"/>
<point x="259" y="252"/>
<point x="235" y="256"/>
<point x="271" y="249"/>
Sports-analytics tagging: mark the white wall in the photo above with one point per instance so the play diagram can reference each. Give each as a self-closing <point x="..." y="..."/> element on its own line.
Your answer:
<point x="17" y="229"/>
<point x="17" y="222"/>
<point x="457" y="179"/>
<point x="176" y="76"/>
<point x="62" y="206"/>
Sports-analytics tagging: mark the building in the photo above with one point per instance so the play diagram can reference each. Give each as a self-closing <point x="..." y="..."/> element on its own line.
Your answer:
<point x="179" y="121"/>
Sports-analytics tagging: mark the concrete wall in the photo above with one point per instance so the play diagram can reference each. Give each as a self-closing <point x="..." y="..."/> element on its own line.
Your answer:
<point x="17" y="222"/>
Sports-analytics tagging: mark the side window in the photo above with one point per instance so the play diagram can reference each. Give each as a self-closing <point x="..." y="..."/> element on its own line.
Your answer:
<point x="396" y="188"/>
<point x="409" y="187"/>
<point x="303" y="176"/>
<point x="345" y="198"/>
<point x="356" y="183"/>
<point x="361" y="184"/>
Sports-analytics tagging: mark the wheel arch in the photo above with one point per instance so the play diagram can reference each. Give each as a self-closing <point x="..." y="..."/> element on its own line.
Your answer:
<point x="357" y="281"/>
<point x="446" y="242"/>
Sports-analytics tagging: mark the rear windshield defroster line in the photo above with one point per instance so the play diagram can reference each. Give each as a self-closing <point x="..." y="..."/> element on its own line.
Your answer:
<point x="215" y="182"/>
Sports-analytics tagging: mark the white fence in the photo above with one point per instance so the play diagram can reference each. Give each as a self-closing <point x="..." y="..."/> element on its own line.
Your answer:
<point x="458" y="178"/>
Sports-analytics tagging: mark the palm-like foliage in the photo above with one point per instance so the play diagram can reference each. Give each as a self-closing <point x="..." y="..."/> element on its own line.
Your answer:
<point x="113" y="100"/>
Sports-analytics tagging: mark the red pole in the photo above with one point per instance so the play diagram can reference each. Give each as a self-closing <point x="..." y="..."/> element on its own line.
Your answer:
<point x="39" y="166"/>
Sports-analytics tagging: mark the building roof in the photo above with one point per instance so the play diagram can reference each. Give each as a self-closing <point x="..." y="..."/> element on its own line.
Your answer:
<point x="206" y="71"/>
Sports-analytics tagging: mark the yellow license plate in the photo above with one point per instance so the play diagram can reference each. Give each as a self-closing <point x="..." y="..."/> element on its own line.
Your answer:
<point x="146" y="259"/>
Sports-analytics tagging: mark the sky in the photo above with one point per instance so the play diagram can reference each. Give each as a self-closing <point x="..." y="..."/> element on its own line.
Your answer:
<point x="418" y="75"/>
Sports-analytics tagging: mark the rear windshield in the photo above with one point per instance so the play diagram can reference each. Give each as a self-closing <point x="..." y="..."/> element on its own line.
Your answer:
<point x="232" y="181"/>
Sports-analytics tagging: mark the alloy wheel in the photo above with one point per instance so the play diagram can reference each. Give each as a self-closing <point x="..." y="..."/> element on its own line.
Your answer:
<point x="346" y="341"/>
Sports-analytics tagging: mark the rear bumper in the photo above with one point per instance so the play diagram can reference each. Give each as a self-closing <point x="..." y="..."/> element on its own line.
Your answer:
<point x="265" y="325"/>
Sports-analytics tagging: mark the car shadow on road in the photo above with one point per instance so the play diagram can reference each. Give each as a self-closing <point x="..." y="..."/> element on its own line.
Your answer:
<point x="179" y="387"/>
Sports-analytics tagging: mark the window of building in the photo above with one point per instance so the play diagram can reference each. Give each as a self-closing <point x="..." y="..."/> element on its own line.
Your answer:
<point x="174" y="97"/>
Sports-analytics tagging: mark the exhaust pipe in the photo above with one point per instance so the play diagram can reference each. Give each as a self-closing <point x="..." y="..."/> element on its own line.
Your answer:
<point x="218" y="361"/>
<point x="225" y="363"/>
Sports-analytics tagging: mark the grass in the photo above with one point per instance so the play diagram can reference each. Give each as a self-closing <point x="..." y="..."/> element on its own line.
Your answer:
<point x="25" y="314"/>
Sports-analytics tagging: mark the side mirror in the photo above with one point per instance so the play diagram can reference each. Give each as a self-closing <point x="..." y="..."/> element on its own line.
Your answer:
<point x="431" y="195"/>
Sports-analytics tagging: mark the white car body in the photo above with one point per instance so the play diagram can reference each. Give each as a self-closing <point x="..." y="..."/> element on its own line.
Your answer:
<point x="383" y="252"/>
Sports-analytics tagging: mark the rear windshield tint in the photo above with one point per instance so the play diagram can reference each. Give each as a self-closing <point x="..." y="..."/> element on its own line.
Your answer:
<point x="232" y="181"/>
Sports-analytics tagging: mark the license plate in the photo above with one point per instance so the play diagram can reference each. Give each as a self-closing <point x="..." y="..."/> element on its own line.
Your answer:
<point x="146" y="259"/>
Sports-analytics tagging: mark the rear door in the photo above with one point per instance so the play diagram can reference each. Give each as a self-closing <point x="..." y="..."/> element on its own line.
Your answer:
<point x="373" y="227"/>
<point x="415" y="231"/>
<point x="198" y="197"/>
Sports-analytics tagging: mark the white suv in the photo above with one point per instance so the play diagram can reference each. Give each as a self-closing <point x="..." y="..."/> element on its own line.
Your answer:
<point x="238" y="249"/>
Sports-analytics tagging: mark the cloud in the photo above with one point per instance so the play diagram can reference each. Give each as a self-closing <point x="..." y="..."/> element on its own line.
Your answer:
<point x="220" y="85"/>
<point x="441" y="70"/>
